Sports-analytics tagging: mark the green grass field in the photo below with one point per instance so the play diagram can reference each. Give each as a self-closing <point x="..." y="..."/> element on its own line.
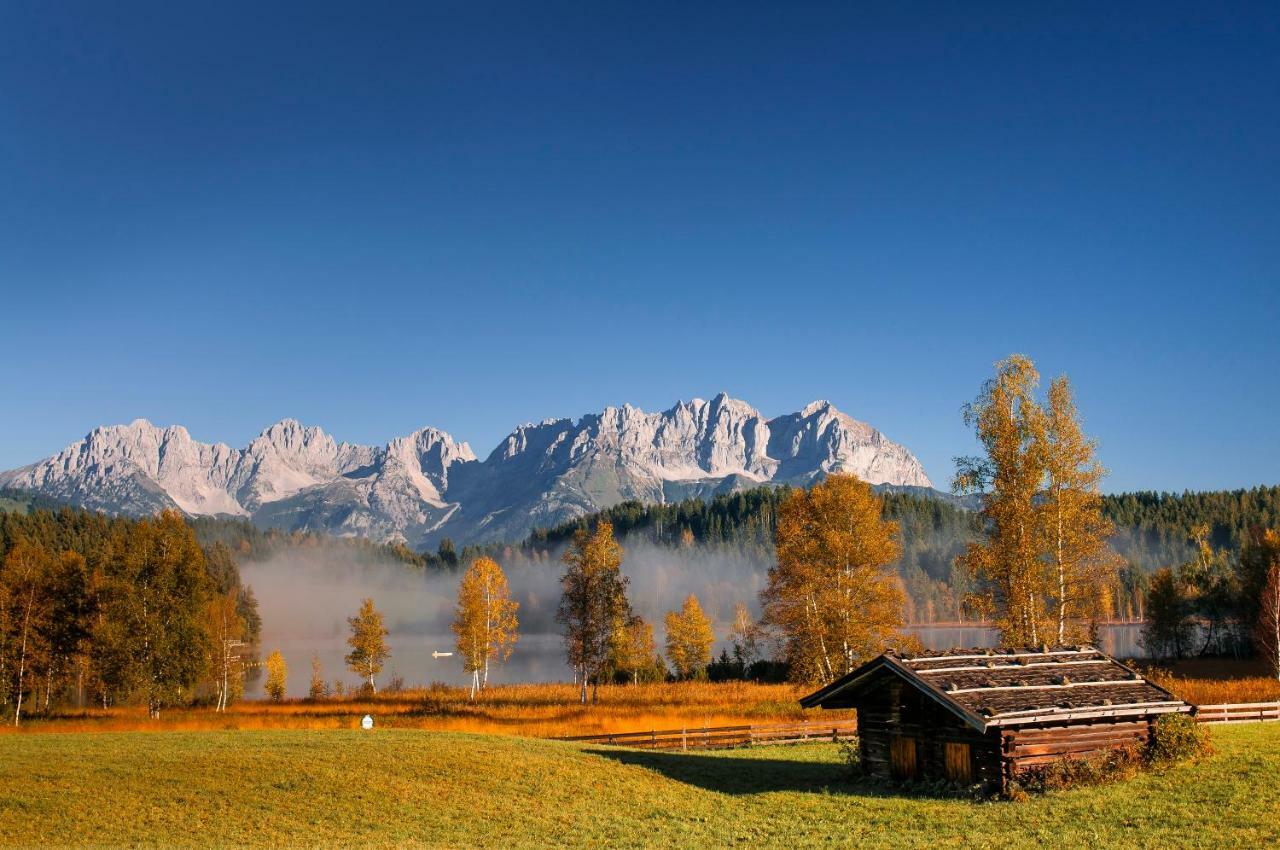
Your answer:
<point x="395" y="788"/>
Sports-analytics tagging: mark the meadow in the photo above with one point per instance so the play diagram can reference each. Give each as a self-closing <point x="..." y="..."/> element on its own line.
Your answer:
<point x="397" y="787"/>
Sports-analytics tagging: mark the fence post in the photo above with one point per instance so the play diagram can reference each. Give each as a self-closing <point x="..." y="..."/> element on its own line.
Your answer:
<point x="684" y="739"/>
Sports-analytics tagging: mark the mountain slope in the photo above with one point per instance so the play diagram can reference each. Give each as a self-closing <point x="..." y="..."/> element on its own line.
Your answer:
<point x="426" y="485"/>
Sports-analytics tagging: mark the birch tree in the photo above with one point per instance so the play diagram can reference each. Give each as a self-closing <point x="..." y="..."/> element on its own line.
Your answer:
<point x="594" y="599"/>
<point x="1266" y="633"/>
<point x="226" y="632"/>
<point x="830" y="593"/>
<point x="277" y="676"/>
<point x="368" y="642"/>
<point x="1044" y="566"/>
<point x="26" y="569"/>
<point x="485" y="620"/>
<point x="1074" y="531"/>
<point x="1007" y="564"/>
<point x="689" y="638"/>
<point x="631" y="648"/>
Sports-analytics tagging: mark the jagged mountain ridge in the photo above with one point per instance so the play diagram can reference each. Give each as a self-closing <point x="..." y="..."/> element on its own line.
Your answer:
<point x="427" y="485"/>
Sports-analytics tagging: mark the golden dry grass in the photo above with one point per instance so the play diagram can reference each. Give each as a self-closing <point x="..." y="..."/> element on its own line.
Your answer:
<point x="537" y="710"/>
<point x="1218" y="691"/>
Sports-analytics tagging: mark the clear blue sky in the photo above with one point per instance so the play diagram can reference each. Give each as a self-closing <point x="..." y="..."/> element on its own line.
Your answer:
<point x="468" y="215"/>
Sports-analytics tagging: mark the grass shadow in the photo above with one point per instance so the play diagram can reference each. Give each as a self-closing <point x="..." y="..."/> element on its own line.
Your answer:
<point x="726" y="773"/>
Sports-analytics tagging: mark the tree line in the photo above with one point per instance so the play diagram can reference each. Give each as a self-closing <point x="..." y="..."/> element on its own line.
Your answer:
<point x="1151" y="530"/>
<point x="106" y="611"/>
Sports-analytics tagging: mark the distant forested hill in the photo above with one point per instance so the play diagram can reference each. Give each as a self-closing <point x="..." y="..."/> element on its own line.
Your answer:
<point x="1152" y="530"/>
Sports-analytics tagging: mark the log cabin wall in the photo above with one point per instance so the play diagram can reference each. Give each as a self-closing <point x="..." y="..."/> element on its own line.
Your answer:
<point x="903" y="734"/>
<point x="1030" y="746"/>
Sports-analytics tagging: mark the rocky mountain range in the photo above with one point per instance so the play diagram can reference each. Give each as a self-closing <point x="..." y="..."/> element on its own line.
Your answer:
<point x="427" y="485"/>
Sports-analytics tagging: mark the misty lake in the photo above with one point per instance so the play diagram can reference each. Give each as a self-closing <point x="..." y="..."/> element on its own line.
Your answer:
<point x="305" y="600"/>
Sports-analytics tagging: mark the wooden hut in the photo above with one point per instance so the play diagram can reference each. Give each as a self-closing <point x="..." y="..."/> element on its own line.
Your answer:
<point x="979" y="716"/>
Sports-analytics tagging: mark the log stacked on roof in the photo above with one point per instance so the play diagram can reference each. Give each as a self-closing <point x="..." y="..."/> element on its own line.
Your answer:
<point x="1018" y="686"/>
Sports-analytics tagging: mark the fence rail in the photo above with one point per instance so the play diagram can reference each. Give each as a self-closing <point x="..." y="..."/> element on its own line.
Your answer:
<point x="1238" y="712"/>
<point x="725" y="737"/>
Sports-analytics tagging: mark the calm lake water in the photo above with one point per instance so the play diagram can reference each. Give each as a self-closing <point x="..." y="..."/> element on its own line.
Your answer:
<point x="540" y="657"/>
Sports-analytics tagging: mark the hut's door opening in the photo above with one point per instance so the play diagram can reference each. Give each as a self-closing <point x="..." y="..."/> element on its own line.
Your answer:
<point x="958" y="766"/>
<point x="902" y="757"/>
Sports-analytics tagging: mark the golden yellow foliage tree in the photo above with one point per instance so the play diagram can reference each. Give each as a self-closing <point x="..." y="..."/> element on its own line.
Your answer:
<point x="689" y="638"/>
<point x="1074" y="532"/>
<point x="226" y="630"/>
<point x="485" y="620"/>
<point x="1007" y="565"/>
<point x="26" y="609"/>
<point x="631" y="648"/>
<point x="593" y="602"/>
<point x="830" y="594"/>
<point x="368" y="642"/>
<point x="277" y="676"/>
<point x="1045" y="565"/>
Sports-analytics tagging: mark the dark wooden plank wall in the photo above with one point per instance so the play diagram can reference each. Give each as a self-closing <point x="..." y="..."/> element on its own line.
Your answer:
<point x="1031" y="746"/>
<point x="892" y="709"/>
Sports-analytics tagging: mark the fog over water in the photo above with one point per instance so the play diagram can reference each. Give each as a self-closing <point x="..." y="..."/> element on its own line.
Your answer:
<point x="306" y="595"/>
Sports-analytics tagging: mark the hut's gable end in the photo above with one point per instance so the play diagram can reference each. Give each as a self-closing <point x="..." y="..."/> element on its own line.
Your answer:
<point x="904" y="733"/>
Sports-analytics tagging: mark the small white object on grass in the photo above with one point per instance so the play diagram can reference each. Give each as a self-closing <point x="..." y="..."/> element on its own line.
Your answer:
<point x="367" y="723"/>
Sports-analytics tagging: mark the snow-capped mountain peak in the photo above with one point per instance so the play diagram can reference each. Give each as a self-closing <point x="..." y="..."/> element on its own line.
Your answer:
<point x="426" y="484"/>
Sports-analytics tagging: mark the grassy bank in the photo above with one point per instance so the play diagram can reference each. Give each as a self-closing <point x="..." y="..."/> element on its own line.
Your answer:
<point x="396" y="787"/>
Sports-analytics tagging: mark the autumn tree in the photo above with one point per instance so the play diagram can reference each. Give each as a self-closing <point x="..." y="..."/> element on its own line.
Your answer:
<point x="744" y="637"/>
<point x="594" y="600"/>
<point x="689" y="638"/>
<point x="1211" y="588"/>
<point x="485" y="620"/>
<point x="1073" y="530"/>
<point x="151" y="639"/>
<point x="1007" y="564"/>
<point x="632" y="651"/>
<point x="368" y="642"/>
<point x="1266" y="632"/>
<point x="226" y="628"/>
<point x="277" y="676"/>
<point x="830" y="594"/>
<point x="1044" y="566"/>
<point x="1259" y="553"/>
<point x="1167" y="631"/>
<point x="318" y="689"/>
<point x="27" y="609"/>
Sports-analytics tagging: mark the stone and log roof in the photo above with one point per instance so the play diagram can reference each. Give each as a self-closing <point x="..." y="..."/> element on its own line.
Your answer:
<point x="991" y="688"/>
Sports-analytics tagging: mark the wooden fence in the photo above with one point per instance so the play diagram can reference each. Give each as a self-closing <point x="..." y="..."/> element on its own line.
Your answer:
<point x="725" y="737"/>
<point x="1238" y="712"/>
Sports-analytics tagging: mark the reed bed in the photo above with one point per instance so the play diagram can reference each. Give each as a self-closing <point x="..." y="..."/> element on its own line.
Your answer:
<point x="536" y="710"/>
<point x="1204" y="691"/>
